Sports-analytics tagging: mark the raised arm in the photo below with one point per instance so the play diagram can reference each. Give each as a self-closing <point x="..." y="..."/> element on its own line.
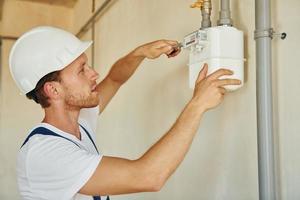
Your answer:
<point x="150" y="172"/>
<point x="123" y="69"/>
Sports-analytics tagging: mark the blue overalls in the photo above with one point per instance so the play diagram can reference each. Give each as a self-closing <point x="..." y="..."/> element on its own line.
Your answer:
<point x="45" y="131"/>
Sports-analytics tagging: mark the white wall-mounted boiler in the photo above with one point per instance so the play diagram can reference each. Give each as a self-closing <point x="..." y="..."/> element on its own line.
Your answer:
<point x="219" y="47"/>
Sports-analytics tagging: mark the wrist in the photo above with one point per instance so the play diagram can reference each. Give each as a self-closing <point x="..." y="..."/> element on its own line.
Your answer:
<point x="139" y="52"/>
<point x="197" y="105"/>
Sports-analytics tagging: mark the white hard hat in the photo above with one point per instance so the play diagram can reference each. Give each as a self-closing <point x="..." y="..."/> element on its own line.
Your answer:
<point x="41" y="51"/>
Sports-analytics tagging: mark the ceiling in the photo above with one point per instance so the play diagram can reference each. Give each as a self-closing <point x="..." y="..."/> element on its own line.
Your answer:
<point x="66" y="3"/>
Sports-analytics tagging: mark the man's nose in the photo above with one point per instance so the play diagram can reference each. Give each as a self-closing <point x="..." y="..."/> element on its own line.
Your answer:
<point x="93" y="74"/>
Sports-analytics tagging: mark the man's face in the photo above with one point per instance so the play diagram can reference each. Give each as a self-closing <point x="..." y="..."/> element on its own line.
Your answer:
<point x="78" y="81"/>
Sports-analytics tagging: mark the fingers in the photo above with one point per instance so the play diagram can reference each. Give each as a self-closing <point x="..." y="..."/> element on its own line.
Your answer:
<point x="174" y="52"/>
<point x="164" y="43"/>
<point x="168" y="49"/>
<point x="171" y="42"/>
<point x="217" y="74"/>
<point x="223" y="82"/>
<point x="175" y="48"/>
<point x="222" y="90"/>
<point x="202" y="74"/>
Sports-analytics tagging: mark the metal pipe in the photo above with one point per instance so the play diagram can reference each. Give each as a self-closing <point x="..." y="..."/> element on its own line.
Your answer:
<point x="1" y="84"/>
<point x="93" y="36"/>
<point x="205" y="7"/>
<point x="263" y="36"/>
<point x="206" y="13"/>
<point x="5" y="37"/>
<point x="225" y="14"/>
<point x="99" y="11"/>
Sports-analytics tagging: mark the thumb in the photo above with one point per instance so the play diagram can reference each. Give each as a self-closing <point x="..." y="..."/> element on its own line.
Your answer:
<point x="166" y="49"/>
<point x="202" y="73"/>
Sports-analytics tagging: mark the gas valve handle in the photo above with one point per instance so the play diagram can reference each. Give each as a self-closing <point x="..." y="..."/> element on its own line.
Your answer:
<point x="198" y="4"/>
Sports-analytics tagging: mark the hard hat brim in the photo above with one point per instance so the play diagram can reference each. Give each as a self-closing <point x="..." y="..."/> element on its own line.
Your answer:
<point x="83" y="47"/>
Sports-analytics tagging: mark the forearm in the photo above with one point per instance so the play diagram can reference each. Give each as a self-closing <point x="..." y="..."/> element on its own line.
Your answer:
<point x="122" y="70"/>
<point x="164" y="157"/>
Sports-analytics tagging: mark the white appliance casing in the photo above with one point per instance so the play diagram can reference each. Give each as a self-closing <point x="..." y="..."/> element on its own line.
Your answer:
<point x="221" y="47"/>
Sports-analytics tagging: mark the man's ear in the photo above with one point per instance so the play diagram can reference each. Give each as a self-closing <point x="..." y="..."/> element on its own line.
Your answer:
<point x="51" y="89"/>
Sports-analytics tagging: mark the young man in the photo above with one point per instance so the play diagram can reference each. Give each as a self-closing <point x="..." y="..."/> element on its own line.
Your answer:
<point x="59" y="159"/>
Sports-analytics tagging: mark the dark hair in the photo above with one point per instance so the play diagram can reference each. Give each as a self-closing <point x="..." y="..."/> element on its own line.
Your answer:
<point x="38" y="94"/>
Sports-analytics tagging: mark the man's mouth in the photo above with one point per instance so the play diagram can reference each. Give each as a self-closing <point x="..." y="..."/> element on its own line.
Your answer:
<point x="94" y="87"/>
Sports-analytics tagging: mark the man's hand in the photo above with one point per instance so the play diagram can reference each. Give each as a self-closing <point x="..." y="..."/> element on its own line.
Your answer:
<point x="209" y="91"/>
<point x="155" y="49"/>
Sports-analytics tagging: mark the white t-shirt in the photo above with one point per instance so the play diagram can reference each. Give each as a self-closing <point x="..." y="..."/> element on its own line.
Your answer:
<point x="54" y="168"/>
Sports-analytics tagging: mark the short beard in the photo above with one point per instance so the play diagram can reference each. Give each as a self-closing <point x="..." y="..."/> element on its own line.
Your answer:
<point x="78" y="101"/>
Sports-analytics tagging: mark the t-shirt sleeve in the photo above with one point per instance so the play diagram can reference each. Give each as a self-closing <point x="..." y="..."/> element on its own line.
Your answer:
<point x="89" y="116"/>
<point x="58" y="169"/>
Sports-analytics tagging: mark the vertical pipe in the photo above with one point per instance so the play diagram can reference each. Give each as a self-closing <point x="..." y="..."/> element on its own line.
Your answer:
<point x="225" y="14"/>
<point x="1" y="72"/>
<point x="1" y="82"/>
<point x="93" y="36"/>
<point x="205" y="7"/>
<point x="225" y="5"/>
<point x="263" y="36"/>
<point x="206" y="22"/>
<point x="206" y="13"/>
<point x="98" y="12"/>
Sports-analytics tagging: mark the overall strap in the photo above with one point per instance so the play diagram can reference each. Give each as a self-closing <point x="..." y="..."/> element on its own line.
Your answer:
<point x="99" y="198"/>
<point x="89" y="137"/>
<point x="88" y="134"/>
<point x="44" y="131"/>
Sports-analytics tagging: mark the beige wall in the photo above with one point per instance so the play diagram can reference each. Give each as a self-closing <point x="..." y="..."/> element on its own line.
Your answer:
<point x="286" y="56"/>
<point x="222" y="163"/>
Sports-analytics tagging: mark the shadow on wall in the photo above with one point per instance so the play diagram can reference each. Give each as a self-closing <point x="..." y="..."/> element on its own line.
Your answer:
<point x="245" y="28"/>
<point x="276" y="106"/>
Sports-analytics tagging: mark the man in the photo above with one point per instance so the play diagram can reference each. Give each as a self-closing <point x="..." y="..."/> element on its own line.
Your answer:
<point x="59" y="159"/>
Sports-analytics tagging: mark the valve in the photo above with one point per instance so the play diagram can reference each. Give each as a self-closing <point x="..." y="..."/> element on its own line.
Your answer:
<point x="198" y="4"/>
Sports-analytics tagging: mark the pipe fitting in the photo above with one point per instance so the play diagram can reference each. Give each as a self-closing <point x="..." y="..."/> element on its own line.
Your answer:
<point x="205" y="6"/>
<point x="225" y="14"/>
<point x="263" y="33"/>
